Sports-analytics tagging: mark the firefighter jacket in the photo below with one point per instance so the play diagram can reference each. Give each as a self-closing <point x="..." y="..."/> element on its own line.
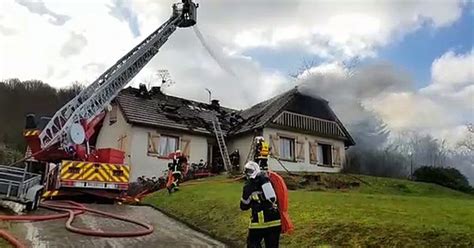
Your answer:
<point x="262" y="150"/>
<point x="264" y="213"/>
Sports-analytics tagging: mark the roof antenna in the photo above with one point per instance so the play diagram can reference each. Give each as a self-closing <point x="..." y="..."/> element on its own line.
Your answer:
<point x="210" y="94"/>
<point x="166" y="80"/>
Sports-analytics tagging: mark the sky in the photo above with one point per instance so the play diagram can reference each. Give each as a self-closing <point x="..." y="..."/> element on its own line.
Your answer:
<point x="412" y="60"/>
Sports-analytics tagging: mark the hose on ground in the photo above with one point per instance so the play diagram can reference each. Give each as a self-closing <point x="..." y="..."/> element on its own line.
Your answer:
<point x="31" y="218"/>
<point x="72" y="214"/>
<point x="71" y="211"/>
<point x="11" y="239"/>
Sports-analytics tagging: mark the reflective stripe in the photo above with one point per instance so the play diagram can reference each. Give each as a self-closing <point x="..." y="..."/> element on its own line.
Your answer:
<point x="255" y="197"/>
<point x="272" y="223"/>
<point x="245" y="201"/>
<point x="261" y="217"/>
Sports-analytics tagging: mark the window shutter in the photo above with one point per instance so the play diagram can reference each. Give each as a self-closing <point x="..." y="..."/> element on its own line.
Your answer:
<point x="336" y="154"/>
<point x="153" y="143"/>
<point x="185" y="146"/>
<point x="300" y="151"/>
<point x="274" y="145"/>
<point x="319" y="154"/>
<point x="313" y="150"/>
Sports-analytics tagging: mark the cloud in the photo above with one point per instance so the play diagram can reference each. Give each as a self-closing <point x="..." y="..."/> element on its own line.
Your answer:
<point x="331" y="30"/>
<point x="74" y="45"/>
<point x="381" y="91"/>
<point x="7" y="31"/>
<point x="39" y="7"/>
<point x="122" y="10"/>
<point x="451" y="71"/>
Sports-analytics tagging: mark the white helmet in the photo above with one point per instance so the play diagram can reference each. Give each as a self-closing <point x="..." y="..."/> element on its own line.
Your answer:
<point x="251" y="169"/>
<point x="259" y="138"/>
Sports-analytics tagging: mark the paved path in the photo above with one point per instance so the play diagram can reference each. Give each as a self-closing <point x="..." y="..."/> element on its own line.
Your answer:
<point x="168" y="232"/>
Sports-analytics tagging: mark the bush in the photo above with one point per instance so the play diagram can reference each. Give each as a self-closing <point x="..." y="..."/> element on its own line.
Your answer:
<point x="8" y="155"/>
<point x="444" y="176"/>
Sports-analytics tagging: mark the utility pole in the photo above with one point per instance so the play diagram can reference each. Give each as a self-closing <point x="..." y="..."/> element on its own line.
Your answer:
<point x="411" y="165"/>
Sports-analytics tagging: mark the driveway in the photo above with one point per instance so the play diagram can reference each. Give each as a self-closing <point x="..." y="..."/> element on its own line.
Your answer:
<point x="168" y="232"/>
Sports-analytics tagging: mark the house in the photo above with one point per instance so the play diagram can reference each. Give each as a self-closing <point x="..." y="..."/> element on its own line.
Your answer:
<point x="303" y="131"/>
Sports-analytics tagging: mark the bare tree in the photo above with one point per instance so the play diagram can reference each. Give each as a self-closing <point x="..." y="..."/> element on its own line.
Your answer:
<point x="468" y="141"/>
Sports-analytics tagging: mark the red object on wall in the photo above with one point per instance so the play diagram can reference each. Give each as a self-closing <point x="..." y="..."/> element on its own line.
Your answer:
<point x="110" y="155"/>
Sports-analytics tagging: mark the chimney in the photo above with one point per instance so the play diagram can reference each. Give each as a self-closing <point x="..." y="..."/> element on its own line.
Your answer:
<point x="155" y="90"/>
<point x="142" y="91"/>
<point x="215" y="104"/>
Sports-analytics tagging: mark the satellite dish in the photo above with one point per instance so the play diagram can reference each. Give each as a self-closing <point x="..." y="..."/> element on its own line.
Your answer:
<point x="108" y="107"/>
<point x="77" y="134"/>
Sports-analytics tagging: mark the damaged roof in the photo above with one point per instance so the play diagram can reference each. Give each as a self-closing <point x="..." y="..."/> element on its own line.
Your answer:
<point x="153" y="108"/>
<point x="261" y="115"/>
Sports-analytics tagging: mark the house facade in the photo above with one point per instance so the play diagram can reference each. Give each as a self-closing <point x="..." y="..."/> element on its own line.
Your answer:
<point x="304" y="133"/>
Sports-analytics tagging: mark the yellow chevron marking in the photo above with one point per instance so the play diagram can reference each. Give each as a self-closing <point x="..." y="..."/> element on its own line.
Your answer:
<point x="55" y="193"/>
<point x="126" y="172"/>
<point x="98" y="177"/>
<point x="87" y="174"/>
<point x="46" y="194"/>
<point x="75" y="176"/>
<point x="124" y="179"/>
<point x="104" y="175"/>
<point x="65" y="166"/>
<point x="66" y="176"/>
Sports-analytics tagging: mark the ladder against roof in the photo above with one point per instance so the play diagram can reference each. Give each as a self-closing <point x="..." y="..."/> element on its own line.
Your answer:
<point x="251" y="153"/>
<point x="221" y="143"/>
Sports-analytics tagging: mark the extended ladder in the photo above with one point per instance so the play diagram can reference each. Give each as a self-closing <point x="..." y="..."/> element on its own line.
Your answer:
<point x="251" y="153"/>
<point x="221" y="143"/>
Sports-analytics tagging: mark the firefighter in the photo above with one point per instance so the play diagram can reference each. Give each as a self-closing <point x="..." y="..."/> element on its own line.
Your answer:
<point x="259" y="196"/>
<point x="262" y="151"/>
<point x="175" y="169"/>
<point x="235" y="160"/>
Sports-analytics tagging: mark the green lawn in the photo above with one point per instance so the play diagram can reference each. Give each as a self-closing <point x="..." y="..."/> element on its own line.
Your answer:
<point x="381" y="212"/>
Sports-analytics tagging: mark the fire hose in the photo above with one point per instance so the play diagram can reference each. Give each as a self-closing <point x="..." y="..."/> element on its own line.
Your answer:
<point x="72" y="210"/>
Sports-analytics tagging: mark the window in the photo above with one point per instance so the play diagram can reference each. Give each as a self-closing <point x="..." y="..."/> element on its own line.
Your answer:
<point x="324" y="155"/>
<point x="162" y="145"/>
<point x="168" y="144"/>
<point x="287" y="148"/>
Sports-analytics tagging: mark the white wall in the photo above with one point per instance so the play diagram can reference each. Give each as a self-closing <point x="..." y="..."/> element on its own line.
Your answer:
<point x="144" y="165"/>
<point x="305" y="166"/>
<point x="242" y="143"/>
<point x="110" y="135"/>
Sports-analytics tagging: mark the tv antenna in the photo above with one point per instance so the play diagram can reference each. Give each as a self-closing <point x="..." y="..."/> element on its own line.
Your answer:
<point x="166" y="80"/>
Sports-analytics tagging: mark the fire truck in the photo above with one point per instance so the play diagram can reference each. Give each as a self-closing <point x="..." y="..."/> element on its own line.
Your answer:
<point x="62" y="148"/>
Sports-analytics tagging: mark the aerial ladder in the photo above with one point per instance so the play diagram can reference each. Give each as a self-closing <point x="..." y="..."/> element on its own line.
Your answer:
<point x="66" y="140"/>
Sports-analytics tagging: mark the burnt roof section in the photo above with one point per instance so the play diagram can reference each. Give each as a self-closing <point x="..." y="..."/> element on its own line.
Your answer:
<point x="153" y="108"/>
<point x="259" y="115"/>
<point x="294" y="101"/>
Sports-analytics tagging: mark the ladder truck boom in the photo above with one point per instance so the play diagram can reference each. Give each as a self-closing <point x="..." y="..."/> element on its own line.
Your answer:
<point x="65" y="125"/>
<point x="63" y="148"/>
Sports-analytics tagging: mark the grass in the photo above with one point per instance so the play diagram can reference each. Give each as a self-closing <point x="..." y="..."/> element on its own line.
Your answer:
<point x="382" y="213"/>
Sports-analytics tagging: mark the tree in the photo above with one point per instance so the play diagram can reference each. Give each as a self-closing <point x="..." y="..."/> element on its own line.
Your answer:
<point x="468" y="141"/>
<point x="30" y="96"/>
